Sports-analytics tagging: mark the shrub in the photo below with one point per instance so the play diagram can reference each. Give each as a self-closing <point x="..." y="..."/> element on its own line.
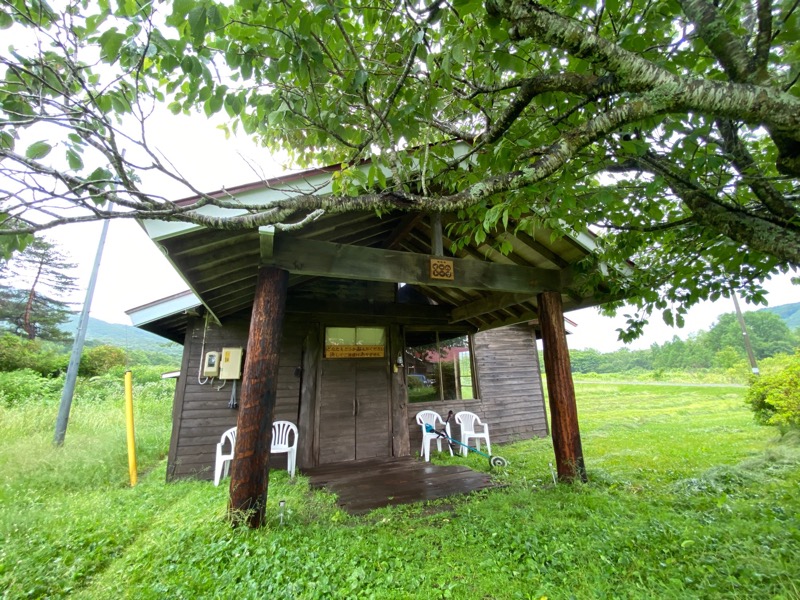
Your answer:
<point x="775" y="398"/>
<point x="18" y="353"/>
<point x="26" y="386"/>
<point x="415" y="381"/>
<point x="98" y="360"/>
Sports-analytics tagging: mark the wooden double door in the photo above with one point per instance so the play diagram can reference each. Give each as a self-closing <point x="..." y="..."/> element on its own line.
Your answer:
<point x="354" y="417"/>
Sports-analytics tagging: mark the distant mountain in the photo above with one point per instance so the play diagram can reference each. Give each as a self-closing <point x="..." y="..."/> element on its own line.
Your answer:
<point x="123" y="336"/>
<point x="790" y="313"/>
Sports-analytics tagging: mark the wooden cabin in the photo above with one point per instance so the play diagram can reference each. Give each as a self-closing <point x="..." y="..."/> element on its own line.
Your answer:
<point x="384" y="317"/>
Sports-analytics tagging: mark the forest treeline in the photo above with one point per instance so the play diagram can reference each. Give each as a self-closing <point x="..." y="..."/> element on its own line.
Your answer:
<point x="721" y="347"/>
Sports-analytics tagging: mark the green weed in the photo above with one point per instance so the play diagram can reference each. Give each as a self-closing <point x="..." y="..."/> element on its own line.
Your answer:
<point x="687" y="498"/>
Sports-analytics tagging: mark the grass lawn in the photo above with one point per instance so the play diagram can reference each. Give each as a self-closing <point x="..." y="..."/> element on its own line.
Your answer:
<point x="687" y="498"/>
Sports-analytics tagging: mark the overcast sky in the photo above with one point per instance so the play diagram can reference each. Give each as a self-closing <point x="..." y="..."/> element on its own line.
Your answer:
<point x="133" y="271"/>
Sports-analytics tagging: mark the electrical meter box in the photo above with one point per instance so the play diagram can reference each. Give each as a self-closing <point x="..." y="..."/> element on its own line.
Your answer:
<point x="230" y="364"/>
<point x="211" y="364"/>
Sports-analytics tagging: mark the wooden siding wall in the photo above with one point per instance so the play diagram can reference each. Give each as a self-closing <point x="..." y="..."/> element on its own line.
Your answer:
<point x="506" y="363"/>
<point x="201" y="413"/>
<point x="509" y="386"/>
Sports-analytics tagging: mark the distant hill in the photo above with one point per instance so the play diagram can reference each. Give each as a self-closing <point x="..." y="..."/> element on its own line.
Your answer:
<point x="790" y="313"/>
<point x="124" y="336"/>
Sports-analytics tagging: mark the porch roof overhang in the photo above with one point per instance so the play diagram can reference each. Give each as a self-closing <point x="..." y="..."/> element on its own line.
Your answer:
<point x="489" y="288"/>
<point x="167" y="316"/>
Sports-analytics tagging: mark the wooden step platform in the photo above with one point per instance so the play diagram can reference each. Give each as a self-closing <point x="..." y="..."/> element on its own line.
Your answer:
<point x="369" y="484"/>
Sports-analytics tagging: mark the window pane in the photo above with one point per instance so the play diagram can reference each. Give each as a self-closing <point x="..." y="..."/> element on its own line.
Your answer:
<point x="370" y="336"/>
<point x="340" y="336"/>
<point x="450" y="351"/>
<point x="465" y="375"/>
<point x="422" y="373"/>
<point x="438" y="366"/>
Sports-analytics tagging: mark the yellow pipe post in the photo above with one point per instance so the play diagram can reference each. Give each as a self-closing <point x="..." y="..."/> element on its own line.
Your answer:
<point x="129" y="423"/>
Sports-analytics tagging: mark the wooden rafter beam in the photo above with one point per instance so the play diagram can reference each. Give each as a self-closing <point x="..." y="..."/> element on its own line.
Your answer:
<point x="541" y="249"/>
<point x="207" y="241"/>
<point x="232" y="277"/>
<point x="403" y="229"/>
<point x="486" y="305"/>
<point x="217" y="265"/>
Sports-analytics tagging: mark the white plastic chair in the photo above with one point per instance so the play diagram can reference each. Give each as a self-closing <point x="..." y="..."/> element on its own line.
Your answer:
<point x="223" y="462"/>
<point x="432" y="418"/>
<point x="468" y="422"/>
<point x="284" y="439"/>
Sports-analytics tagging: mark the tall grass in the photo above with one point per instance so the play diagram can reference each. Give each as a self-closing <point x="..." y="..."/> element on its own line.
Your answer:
<point x="687" y="498"/>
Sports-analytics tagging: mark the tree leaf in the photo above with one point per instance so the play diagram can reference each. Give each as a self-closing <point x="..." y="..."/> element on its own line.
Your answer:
<point x="5" y="19"/>
<point x="38" y="150"/>
<point x="6" y="140"/>
<point x="74" y="160"/>
<point x="180" y="8"/>
<point x="360" y="78"/>
<point x="110" y="43"/>
<point x="197" y="23"/>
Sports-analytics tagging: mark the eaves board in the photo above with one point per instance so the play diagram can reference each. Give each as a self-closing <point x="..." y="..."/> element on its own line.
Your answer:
<point x="172" y="328"/>
<point x="219" y="266"/>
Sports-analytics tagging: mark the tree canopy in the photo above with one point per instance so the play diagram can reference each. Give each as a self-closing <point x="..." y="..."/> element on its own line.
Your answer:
<point x="671" y="129"/>
<point x="769" y="335"/>
<point x="33" y="285"/>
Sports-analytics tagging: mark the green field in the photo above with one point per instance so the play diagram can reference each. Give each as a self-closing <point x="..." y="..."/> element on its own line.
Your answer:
<point x="687" y="498"/>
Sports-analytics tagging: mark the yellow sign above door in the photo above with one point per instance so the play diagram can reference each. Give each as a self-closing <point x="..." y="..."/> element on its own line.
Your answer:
<point x="354" y="351"/>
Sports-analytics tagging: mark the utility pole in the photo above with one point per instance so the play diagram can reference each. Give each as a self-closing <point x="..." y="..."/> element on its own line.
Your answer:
<point x="747" y="346"/>
<point x="77" y="347"/>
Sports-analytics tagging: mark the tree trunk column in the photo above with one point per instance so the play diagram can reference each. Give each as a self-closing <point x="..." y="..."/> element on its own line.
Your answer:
<point x="560" y="389"/>
<point x="250" y="467"/>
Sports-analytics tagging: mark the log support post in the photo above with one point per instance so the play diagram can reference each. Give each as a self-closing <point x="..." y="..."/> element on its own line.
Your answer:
<point x="560" y="389"/>
<point x="250" y="467"/>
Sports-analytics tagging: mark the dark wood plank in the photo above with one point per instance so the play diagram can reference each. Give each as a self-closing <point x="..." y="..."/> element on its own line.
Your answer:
<point x="312" y="351"/>
<point x="399" y="395"/>
<point x="308" y="257"/>
<point x="362" y="486"/>
<point x="398" y="313"/>
<point x="337" y="423"/>
<point x="177" y="404"/>
<point x="372" y="401"/>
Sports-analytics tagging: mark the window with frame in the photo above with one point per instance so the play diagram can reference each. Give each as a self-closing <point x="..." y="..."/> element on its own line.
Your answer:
<point x="355" y="342"/>
<point x="439" y="366"/>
